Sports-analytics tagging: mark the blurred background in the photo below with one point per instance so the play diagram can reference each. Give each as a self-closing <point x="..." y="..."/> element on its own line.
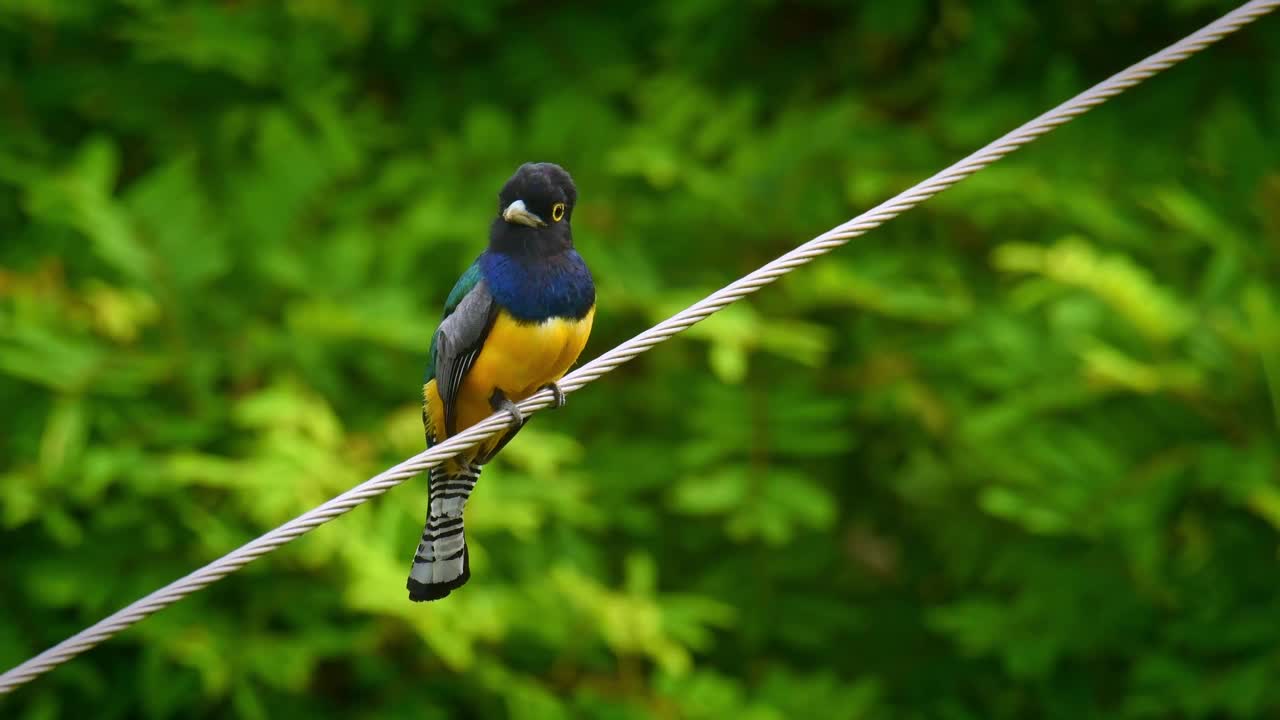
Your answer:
<point x="1016" y="454"/>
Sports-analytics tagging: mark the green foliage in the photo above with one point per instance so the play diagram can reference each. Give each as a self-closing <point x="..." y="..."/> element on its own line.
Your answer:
<point x="1016" y="454"/>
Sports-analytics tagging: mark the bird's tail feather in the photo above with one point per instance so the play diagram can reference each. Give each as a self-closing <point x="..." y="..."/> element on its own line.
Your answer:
<point x="441" y="563"/>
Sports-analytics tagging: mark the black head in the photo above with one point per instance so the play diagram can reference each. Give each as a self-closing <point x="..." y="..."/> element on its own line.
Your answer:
<point x="534" y="209"/>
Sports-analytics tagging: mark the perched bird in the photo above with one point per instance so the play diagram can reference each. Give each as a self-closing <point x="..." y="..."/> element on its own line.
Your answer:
<point x="513" y="324"/>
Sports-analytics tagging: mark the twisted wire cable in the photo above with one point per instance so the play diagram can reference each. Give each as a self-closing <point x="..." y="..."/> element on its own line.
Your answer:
<point x="820" y="245"/>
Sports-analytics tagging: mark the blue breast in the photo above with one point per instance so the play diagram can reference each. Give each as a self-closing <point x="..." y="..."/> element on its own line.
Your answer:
<point x="533" y="289"/>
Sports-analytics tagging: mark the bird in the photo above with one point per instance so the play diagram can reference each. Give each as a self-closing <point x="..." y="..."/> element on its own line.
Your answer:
<point x="513" y="325"/>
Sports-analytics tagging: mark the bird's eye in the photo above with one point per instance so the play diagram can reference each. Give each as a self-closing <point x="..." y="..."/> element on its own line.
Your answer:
<point x="557" y="212"/>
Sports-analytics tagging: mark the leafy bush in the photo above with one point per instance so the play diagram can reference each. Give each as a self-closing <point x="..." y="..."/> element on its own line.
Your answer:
<point x="1015" y="454"/>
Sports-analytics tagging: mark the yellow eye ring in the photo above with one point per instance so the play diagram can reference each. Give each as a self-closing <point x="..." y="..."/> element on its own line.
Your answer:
<point x="557" y="212"/>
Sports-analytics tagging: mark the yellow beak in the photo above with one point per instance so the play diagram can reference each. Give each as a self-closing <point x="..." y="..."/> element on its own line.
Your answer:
<point x="516" y="212"/>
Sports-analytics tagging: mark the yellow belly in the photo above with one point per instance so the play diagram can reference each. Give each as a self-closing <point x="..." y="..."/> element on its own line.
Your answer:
<point x="517" y="359"/>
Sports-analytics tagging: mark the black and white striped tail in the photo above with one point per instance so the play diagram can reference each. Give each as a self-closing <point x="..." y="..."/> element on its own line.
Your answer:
<point x="441" y="563"/>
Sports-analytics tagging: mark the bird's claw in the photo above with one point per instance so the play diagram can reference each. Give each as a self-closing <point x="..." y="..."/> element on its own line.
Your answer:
<point x="558" y="399"/>
<point x="502" y="403"/>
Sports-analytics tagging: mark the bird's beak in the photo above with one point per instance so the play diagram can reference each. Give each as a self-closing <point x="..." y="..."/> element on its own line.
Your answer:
<point x="516" y="212"/>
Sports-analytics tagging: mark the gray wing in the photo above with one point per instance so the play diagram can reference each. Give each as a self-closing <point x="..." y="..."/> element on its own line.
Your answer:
<point x="458" y="343"/>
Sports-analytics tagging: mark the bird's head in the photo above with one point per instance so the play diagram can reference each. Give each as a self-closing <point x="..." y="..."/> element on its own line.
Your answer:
<point x="534" y="209"/>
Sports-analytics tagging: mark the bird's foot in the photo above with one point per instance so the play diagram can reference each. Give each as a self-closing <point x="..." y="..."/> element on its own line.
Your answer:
<point x="501" y="403"/>
<point x="558" y="401"/>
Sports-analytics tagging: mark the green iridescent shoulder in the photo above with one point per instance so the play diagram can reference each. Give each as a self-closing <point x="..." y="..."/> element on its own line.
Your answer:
<point x="464" y="285"/>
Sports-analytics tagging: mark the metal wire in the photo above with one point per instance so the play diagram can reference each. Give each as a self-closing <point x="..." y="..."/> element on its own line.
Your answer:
<point x="679" y="322"/>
